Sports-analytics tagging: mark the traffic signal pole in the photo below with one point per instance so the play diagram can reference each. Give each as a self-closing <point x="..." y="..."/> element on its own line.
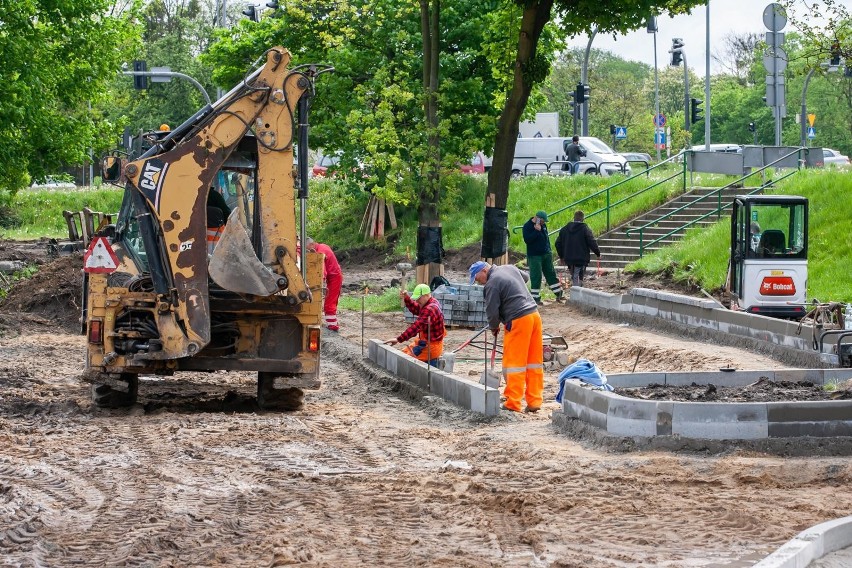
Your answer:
<point x="584" y="79"/>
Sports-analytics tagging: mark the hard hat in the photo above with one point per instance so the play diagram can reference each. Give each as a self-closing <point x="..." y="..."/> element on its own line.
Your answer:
<point x="164" y="127"/>
<point x="420" y="290"/>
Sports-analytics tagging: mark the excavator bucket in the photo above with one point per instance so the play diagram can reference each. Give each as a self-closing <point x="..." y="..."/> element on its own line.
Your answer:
<point x="234" y="265"/>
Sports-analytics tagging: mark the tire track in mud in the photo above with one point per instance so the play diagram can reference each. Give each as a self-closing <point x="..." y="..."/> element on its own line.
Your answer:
<point x="366" y="475"/>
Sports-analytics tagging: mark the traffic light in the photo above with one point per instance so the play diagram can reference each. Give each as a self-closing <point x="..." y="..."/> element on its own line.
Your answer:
<point x="835" y="54"/>
<point x="612" y="129"/>
<point x="751" y="127"/>
<point x="695" y="108"/>
<point x="140" y="81"/>
<point x="651" y="24"/>
<point x="677" y="56"/>
<point x="250" y="12"/>
<point x="582" y="93"/>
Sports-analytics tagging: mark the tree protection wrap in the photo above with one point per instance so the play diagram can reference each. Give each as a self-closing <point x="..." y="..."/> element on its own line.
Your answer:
<point x="430" y="245"/>
<point x="495" y="232"/>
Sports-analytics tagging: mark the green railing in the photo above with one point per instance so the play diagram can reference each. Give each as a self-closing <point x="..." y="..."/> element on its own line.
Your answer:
<point x="719" y="208"/>
<point x="607" y="191"/>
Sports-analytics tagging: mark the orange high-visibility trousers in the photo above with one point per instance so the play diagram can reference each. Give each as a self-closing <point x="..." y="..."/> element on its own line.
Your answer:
<point x="523" y="362"/>
<point x="432" y="350"/>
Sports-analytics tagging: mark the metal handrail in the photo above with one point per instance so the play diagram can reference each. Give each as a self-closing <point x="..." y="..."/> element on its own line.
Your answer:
<point x="607" y="190"/>
<point x="719" y="207"/>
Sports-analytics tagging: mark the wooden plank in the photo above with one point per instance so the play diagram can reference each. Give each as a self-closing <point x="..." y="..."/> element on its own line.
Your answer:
<point x="371" y="229"/>
<point x="391" y="215"/>
<point x="363" y="227"/>
<point x="381" y="227"/>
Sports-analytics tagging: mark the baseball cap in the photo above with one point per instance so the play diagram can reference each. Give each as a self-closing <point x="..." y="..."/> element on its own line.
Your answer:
<point x="541" y="215"/>
<point x="475" y="268"/>
<point x="420" y="290"/>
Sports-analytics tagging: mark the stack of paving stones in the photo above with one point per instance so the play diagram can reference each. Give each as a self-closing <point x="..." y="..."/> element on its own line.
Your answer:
<point x="463" y="305"/>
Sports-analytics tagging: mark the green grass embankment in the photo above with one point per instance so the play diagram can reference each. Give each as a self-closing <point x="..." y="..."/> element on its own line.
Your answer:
<point x="701" y="258"/>
<point x="33" y="214"/>
<point x="336" y="211"/>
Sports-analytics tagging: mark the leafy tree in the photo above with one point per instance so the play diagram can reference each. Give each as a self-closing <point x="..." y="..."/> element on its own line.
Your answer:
<point x="531" y="67"/>
<point x="386" y="105"/>
<point x="57" y="58"/>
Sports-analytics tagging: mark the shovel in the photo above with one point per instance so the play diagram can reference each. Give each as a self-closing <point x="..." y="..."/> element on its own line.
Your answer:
<point x="489" y="378"/>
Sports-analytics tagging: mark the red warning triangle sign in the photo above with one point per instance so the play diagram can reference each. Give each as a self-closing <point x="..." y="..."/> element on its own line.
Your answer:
<point x="100" y="257"/>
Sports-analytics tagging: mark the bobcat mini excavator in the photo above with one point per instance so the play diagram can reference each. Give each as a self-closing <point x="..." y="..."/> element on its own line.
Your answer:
<point x="161" y="295"/>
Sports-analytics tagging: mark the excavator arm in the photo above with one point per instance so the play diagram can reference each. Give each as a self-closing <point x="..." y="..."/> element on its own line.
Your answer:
<point x="173" y="180"/>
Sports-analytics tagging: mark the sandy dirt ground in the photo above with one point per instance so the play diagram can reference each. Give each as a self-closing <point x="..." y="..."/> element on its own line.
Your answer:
<point x="365" y="474"/>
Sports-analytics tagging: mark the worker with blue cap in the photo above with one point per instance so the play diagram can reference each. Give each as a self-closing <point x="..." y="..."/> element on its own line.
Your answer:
<point x="428" y="327"/>
<point x="508" y="301"/>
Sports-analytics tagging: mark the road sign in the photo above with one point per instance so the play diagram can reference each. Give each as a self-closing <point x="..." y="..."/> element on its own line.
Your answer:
<point x="774" y="17"/>
<point x="811" y="119"/>
<point x="777" y="62"/>
<point x="811" y="132"/>
<point x="100" y="258"/>
<point x="621" y="133"/>
<point x="660" y="120"/>
<point x="660" y="140"/>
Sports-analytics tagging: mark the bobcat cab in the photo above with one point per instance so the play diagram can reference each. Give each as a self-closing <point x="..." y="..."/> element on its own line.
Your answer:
<point x="769" y="255"/>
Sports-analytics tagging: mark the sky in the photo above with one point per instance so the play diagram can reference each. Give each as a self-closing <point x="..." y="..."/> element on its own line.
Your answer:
<point x="739" y="16"/>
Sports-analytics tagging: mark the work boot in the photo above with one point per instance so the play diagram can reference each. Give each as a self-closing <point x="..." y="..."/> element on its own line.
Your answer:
<point x="532" y="409"/>
<point x="504" y="407"/>
<point x="538" y="302"/>
<point x="559" y="296"/>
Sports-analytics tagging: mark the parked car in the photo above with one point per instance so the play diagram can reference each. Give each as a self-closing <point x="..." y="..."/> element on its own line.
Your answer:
<point x="636" y="156"/>
<point x="834" y="158"/>
<point x="321" y="166"/>
<point x="534" y="155"/>
<point x="54" y="182"/>
<point x="727" y="148"/>
<point x="477" y="165"/>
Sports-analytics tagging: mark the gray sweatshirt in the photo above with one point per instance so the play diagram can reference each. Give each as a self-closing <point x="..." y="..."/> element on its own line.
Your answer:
<point x="506" y="295"/>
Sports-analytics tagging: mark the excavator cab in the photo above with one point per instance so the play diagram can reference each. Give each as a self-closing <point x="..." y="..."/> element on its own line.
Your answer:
<point x="769" y="255"/>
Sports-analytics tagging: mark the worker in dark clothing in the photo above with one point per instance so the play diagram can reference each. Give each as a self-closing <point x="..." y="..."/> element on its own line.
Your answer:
<point x="540" y="257"/>
<point x="574" y="244"/>
<point x="574" y="153"/>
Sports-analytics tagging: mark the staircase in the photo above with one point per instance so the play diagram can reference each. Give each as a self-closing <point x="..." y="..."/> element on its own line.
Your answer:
<point x="618" y="249"/>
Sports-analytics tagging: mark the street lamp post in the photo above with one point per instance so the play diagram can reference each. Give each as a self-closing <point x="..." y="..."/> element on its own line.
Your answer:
<point x="707" y="84"/>
<point x="584" y="79"/>
<point x="652" y="29"/>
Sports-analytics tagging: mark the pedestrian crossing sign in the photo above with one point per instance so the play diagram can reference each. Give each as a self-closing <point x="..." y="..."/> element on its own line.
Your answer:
<point x="621" y="133"/>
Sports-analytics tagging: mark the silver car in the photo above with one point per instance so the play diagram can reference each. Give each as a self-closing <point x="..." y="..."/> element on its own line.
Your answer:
<point x="834" y="158"/>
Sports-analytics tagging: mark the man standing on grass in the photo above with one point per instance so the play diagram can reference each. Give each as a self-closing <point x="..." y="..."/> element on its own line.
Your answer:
<point x="333" y="277"/>
<point x="540" y="257"/>
<point x="508" y="301"/>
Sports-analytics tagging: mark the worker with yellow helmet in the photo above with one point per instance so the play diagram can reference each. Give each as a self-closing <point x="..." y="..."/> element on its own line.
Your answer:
<point x="428" y="327"/>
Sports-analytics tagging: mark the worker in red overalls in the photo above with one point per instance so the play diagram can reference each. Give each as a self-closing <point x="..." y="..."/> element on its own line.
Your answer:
<point x="333" y="277"/>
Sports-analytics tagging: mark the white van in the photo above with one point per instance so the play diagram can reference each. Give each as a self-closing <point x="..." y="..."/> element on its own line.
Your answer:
<point x="536" y="155"/>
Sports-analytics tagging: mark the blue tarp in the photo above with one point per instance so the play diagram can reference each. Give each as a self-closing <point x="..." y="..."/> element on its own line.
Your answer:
<point x="584" y="370"/>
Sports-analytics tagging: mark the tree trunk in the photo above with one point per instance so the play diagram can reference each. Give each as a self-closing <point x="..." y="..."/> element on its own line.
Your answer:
<point x="430" y="247"/>
<point x="535" y="16"/>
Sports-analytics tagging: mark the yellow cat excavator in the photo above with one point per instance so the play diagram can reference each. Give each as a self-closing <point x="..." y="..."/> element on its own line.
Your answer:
<point x="202" y="270"/>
